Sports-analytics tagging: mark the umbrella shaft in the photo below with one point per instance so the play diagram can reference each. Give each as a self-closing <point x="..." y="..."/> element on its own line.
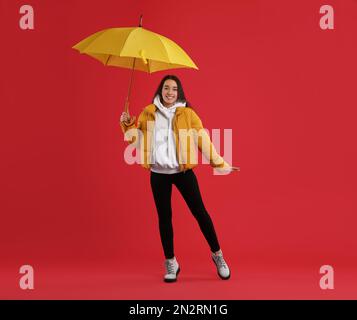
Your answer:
<point x="130" y="85"/>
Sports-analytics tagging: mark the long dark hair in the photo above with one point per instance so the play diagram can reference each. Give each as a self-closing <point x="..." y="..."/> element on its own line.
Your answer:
<point x="180" y="93"/>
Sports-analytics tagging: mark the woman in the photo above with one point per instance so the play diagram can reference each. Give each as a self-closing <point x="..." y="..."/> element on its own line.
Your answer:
<point x="171" y="161"/>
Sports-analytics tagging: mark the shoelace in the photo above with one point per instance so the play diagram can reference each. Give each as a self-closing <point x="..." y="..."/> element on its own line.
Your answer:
<point x="220" y="262"/>
<point x="170" y="267"/>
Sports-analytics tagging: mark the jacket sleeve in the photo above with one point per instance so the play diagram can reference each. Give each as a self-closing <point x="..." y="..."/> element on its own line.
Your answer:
<point x="205" y="144"/>
<point x="132" y="132"/>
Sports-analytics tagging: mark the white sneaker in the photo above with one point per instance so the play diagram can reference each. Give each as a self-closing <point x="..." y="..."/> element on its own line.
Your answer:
<point x="172" y="270"/>
<point x="222" y="267"/>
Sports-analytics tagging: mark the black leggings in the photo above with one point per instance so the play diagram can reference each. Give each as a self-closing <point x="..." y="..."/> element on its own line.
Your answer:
<point x="186" y="183"/>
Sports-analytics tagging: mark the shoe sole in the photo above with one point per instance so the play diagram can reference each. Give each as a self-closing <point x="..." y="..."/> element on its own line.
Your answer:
<point x="173" y="280"/>
<point x="223" y="278"/>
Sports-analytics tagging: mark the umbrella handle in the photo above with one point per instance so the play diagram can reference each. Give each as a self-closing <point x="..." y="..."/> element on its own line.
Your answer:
<point x="126" y="109"/>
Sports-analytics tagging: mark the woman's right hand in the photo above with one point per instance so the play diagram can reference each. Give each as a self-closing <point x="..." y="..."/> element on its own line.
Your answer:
<point x="125" y="117"/>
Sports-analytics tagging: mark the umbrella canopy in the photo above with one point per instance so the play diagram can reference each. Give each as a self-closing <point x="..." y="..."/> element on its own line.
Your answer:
<point x="137" y="49"/>
<point x="118" y="46"/>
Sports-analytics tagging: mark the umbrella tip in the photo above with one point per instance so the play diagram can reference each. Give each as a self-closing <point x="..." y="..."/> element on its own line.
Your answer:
<point x="141" y="21"/>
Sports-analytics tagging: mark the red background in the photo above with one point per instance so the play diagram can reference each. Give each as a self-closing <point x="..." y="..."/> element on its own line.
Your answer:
<point x="86" y="221"/>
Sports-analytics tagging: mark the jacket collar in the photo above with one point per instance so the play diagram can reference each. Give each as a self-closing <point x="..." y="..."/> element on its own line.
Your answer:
<point x="151" y="108"/>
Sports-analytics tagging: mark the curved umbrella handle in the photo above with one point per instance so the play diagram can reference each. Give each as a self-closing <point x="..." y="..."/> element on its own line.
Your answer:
<point x="126" y="109"/>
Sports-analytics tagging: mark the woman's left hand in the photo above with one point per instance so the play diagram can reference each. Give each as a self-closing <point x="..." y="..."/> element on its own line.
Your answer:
<point x="226" y="169"/>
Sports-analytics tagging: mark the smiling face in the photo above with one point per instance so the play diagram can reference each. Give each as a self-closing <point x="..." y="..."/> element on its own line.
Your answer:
<point x="169" y="93"/>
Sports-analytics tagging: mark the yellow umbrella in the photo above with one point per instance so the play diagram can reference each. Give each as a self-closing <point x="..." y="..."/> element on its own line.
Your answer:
<point x="136" y="49"/>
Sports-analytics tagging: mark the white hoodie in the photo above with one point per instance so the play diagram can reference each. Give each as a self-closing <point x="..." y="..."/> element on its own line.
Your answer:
<point x="164" y="158"/>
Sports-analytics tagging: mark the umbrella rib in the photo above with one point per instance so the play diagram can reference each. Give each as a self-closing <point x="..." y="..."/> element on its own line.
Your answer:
<point x="106" y="63"/>
<point x="163" y="44"/>
<point x="126" y="40"/>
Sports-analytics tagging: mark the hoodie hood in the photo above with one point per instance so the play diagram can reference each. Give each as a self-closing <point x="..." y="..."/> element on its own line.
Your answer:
<point x="167" y="112"/>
